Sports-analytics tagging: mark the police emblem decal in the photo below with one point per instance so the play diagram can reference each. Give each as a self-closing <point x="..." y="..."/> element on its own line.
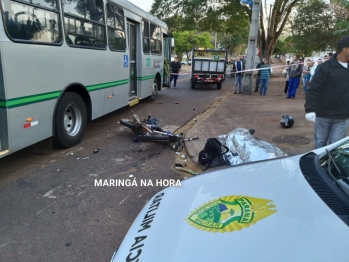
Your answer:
<point x="230" y="213"/>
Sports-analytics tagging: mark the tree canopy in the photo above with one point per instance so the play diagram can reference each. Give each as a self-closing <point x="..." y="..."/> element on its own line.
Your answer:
<point x="230" y="20"/>
<point x="188" y="40"/>
<point x="313" y="28"/>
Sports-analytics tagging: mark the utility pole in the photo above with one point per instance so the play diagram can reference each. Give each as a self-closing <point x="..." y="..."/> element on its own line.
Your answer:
<point x="251" y="48"/>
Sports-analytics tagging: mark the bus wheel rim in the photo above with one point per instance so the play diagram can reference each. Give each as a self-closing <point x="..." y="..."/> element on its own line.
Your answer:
<point x="72" y="119"/>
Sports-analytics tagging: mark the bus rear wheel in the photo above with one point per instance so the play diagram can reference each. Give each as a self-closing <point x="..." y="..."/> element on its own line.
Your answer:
<point x="154" y="90"/>
<point x="70" y="121"/>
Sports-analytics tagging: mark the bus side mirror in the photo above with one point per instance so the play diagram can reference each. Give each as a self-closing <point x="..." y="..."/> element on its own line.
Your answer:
<point x="172" y="42"/>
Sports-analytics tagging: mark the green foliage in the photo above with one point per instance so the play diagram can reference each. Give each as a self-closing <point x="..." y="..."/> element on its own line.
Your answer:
<point x="342" y="7"/>
<point x="228" y="18"/>
<point x="230" y="41"/>
<point x="313" y="28"/>
<point x="221" y="16"/>
<point x="280" y="47"/>
<point x="188" y="40"/>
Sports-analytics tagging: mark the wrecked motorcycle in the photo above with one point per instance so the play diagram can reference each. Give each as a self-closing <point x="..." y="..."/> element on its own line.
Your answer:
<point x="150" y="130"/>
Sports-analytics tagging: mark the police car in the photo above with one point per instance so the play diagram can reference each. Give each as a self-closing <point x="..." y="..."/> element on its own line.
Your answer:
<point x="286" y="209"/>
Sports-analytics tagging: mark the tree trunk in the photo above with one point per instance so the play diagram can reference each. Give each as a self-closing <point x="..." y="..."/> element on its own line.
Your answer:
<point x="269" y="36"/>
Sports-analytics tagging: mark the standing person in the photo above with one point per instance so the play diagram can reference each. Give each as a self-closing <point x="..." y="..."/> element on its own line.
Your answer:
<point x="238" y="66"/>
<point x="264" y="77"/>
<point x="307" y="80"/>
<point x="287" y="77"/>
<point x="312" y="71"/>
<point x="294" y="73"/>
<point x="306" y="75"/>
<point x="175" y="69"/>
<point x="258" y="75"/>
<point x="327" y="97"/>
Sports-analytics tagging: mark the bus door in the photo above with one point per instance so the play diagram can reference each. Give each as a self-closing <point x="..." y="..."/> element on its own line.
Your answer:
<point x="167" y="44"/>
<point x="132" y="43"/>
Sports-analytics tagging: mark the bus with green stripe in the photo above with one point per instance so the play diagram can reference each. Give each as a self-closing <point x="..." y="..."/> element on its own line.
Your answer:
<point x="64" y="63"/>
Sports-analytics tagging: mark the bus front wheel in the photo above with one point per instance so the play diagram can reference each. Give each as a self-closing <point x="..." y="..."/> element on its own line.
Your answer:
<point x="70" y="121"/>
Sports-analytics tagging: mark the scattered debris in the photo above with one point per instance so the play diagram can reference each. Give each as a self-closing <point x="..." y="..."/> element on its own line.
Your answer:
<point x="130" y="176"/>
<point x="176" y="103"/>
<point x="193" y="108"/>
<point x="144" y="164"/>
<point x="96" y="151"/>
<point x="68" y="244"/>
<point x="180" y="165"/>
<point x="85" y="158"/>
<point x="187" y="171"/>
<point x="134" y="165"/>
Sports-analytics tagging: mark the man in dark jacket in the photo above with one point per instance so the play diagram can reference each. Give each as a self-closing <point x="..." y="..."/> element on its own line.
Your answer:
<point x="327" y="99"/>
<point x="294" y="74"/>
<point x="258" y="75"/>
<point x="175" y="69"/>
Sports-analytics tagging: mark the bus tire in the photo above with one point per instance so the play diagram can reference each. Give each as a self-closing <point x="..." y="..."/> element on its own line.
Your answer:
<point x="154" y="90"/>
<point x="70" y="121"/>
<point x="192" y="85"/>
<point x="219" y="85"/>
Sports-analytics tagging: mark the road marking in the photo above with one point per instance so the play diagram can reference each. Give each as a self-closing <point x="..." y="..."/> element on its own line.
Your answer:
<point x="49" y="193"/>
<point x="123" y="200"/>
<point x="43" y="209"/>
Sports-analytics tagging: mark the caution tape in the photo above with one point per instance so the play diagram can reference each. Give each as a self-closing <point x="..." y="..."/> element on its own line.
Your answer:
<point x="247" y="70"/>
<point x="258" y="69"/>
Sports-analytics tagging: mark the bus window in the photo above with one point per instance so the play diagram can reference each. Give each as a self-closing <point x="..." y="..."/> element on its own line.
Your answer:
<point x="29" y="23"/>
<point x="116" y="28"/>
<point x="146" y="38"/>
<point x="155" y="42"/>
<point x="45" y="3"/>
<point x="84" y="23"/>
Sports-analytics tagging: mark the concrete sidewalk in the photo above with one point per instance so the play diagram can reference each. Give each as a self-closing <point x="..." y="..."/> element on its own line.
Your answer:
<point x="262" y="113"/>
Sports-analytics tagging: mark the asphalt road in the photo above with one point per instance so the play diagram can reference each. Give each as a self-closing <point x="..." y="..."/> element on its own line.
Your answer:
<point x="50" y="208"/>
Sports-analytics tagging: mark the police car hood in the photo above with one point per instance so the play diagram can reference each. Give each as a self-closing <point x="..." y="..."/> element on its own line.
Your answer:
<point x="264" y="211"/>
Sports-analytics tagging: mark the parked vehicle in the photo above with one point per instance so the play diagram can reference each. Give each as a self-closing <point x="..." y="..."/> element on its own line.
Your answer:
<point x="208" y="67"/>
<point x="98" y="66"/>
<point x="185" y="62"/>
<point x="285" y="209"/>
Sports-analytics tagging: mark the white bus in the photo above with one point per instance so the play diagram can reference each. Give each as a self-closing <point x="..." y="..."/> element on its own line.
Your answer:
<point x="64" y="63"/>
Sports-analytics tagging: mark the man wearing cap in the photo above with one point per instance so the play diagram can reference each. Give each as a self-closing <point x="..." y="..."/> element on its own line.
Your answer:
<point x="327" y="97"/>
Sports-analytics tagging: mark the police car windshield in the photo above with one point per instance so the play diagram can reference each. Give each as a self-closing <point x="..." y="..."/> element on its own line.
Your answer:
<point x="340" y="168"/>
